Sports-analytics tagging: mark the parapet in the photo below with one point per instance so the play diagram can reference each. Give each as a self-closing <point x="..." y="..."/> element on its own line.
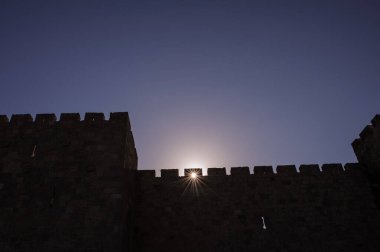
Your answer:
<point x="70" y="117"/>
<point x="367" y="146"/>
<point x="286" y="169"/>
<point x="312" y="169"/>
<point x="367" y="135"/>
<point x="120" y="117"/>
<point x="352" y="167"/>
<point x="263" y="171"/>
<point x="21" y="119"/>
<point x="65" y="118"/>
<point x="332" y="168"/>
<point x="4" y="121"/>
<point x="45" y="119"/>
<point x="94" y="117"/>
<point x="216" y="171"/>
<point x="169" y="173"/>
<point x="240" y="171"/>
<point x="146" y="174"/>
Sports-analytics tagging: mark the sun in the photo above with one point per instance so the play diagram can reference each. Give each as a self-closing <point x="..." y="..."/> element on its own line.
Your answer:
<point x="193" y="182"/>
<point x="193" y="175"/>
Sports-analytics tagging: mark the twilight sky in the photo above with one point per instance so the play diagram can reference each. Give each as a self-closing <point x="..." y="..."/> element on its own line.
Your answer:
<point x="207" y="83"/>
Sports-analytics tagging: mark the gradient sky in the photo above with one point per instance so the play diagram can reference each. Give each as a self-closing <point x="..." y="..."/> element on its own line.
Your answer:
<point x="206" y="83"/>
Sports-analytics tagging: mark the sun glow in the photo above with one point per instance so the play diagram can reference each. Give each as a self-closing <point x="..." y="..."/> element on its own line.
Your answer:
<point x="193" y="175"/>
<point x="193" y="182"/>
<point x="194" y="165"/>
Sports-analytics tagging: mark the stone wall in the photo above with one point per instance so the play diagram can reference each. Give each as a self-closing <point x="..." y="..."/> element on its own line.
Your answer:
<point x="313" y="210"/>
<point x="327" y="209"/>
<point x="367" y="150"/>
<point x="65" y="185"/>
<point x="71" y="185"/>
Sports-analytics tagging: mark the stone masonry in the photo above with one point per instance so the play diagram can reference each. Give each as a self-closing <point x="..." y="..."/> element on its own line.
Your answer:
<point x="73" y="185"/>
<point x="65" y="185"/>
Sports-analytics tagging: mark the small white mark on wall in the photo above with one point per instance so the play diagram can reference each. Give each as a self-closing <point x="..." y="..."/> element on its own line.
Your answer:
<point x="34" y="151"/>
<point x="264" y="226"/>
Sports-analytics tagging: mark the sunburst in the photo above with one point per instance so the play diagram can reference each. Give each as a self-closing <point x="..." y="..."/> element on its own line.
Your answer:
<point x="193" y="181"/>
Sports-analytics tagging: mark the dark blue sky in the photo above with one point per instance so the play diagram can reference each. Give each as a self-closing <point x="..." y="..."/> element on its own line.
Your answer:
<point x="210" y="83"/>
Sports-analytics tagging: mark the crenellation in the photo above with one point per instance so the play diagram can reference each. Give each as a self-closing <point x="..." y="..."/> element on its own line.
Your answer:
<point x="262" y="170"/>
<point x="357" y="145"/>
<point x="79" y="181"/>
<point x="286" y="170"/>
<point x="57" y="171"/>
<point x="216" y="171"/>
<point x="352" y="167"/>
<point x="281" y="170"/>
<point x="367" y="132"/>
<point x="70" y="117"/>
<point x="240" y="171"/>
<point x="332" y="168"/>
<point x="45" y="119"/>
<point x="310" y="169"/>
<point x="121" y="117"/>
<point x="169" y="173"/>
<point x="376" y="121"/>
<point x="94" y="117"/>
<point x="146" y="174"/>
<point x="21" y="119"/>
<point x="4" y="119"/>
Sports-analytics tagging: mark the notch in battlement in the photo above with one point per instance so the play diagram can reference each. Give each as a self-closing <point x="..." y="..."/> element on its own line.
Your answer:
<point x="190" y="171"/>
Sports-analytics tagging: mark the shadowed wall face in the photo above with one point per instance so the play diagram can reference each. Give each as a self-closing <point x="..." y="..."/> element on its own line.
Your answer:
<point x="309" y="210"/>
<point x="367" y="150"/>
<point x="332" y="210"/>
<point x="66" y="185"/>
<point x="70" y="185"/>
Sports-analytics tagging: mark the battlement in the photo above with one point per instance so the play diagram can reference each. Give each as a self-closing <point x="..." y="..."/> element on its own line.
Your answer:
<point x="77" y="172"/>
<point x="24" y="120"/>
<point x="260" y="171"/>
<point x="78" y="178"/>
<point x="367" y="139"/>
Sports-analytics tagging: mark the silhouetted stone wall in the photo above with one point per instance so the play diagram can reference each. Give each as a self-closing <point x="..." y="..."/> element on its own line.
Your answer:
<point x="367" y="150"/>
<point x="70" y="185"/>
<point x="332" y="209"/>
<point x="65" y="185"/>
<point x="328" y="210"/>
